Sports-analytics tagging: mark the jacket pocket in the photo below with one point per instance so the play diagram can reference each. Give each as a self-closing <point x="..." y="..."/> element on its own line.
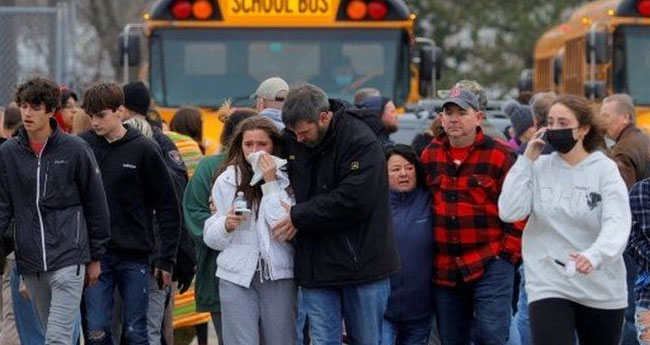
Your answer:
<point x="58" y="188"/>
<point x="483" y="189"/>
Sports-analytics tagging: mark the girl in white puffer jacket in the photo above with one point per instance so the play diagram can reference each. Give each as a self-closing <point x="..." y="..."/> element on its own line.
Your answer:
<point x="256" y="287"/>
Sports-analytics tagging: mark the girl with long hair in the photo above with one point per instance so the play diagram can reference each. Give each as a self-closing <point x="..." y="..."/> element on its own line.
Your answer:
<point x="578" y="226"/>
<point x="256" y="286"/>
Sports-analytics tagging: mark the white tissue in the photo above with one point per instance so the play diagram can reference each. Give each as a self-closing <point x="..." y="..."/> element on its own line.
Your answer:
<point x="254" y="157"/>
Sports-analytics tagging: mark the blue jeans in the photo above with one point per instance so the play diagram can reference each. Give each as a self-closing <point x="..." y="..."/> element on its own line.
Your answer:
<point x="521" y="319"/>
<point x="27" y="323"/>
<point x="629" y="336"/>
<point x="132" y="281"/>
<point x="415" y="332"/>
<point x="479" y="311"/>
<point x="301" y="319"/>
<point x="362" y="306"/>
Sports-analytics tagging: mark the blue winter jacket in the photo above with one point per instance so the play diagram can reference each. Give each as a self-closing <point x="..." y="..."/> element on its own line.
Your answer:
<point x="411" y="287"/>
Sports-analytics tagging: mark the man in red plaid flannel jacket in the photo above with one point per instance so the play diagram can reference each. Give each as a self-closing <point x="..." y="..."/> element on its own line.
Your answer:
<point x="475" y="251"/>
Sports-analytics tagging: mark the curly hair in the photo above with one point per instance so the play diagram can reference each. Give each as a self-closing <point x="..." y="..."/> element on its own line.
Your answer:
<point x="39" y="90"/>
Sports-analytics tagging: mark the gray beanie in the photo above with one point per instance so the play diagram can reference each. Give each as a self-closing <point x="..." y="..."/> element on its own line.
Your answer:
<point x="521" y="117"/>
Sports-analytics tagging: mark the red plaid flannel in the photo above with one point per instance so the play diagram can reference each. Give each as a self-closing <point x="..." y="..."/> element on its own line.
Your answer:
<point x="467" y="230"/>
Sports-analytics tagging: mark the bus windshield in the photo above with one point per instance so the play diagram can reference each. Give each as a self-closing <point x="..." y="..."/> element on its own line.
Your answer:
<point x="203" y="67"/>
<point x="632" y="63"/>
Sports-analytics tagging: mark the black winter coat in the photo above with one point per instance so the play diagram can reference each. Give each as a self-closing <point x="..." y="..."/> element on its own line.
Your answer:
<point x="138" y="182"/>
<point x="57" y="200"/>
<point x="342" y="212"/>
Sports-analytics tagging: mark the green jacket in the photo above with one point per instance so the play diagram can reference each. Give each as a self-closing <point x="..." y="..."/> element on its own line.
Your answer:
<point x="196" y="211"/>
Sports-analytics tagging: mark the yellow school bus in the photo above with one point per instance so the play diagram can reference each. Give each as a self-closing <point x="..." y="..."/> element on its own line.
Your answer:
<point x="201" y="52"/>
<point x="603" y="48"/>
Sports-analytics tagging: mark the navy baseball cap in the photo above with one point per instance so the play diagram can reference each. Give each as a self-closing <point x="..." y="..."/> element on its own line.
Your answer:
<point x="463" y="98"/>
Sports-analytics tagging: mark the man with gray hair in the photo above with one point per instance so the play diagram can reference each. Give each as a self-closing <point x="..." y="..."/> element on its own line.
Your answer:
<point x="630" y="152"/>
<point x="345" y="250"/>
<point x="541" y="103"/>
<point x="269" y="98"/>
<point x="479" y="91"/>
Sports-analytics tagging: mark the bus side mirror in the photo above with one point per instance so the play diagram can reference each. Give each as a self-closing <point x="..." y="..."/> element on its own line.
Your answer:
<point x="426" y="69"/>
<point x="437" y="53"/>
<point x="525" y="83"/>
<point x="597" y="47"/>
<point x="595" y="89"/>
<point x="129" y="49"/>
<point x="426" y="63"/>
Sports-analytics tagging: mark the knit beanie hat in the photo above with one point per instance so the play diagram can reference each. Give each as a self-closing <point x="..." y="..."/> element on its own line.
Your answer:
<point x="521" y="118"/>
<point x="136" y="97"/>
<point x="509" y="106"/>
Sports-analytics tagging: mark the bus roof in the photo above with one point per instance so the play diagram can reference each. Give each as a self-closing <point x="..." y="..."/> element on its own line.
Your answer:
<point x="602" y="12"/>
<point x="280" y="13"/>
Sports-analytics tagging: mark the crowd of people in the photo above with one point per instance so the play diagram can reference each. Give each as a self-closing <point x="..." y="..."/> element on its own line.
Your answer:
<point x="310" y="226"/>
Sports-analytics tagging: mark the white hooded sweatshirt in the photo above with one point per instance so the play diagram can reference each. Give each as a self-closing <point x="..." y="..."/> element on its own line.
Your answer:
<point x="583" y="208"/>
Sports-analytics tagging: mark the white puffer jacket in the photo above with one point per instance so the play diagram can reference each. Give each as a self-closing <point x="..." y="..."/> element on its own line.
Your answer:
<point x="242" y="248"/>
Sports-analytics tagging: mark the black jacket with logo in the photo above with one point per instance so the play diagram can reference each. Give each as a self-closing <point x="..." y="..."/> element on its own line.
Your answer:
<point x="342" y="209"/>
<point x="57" y="201"/>
<point x="138" y="182"/>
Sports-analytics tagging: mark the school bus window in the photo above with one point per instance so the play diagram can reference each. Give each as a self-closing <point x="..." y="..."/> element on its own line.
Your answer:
<point x="339" y="62"/>
<point x="366" y="58"/>
<point x="290" y="59"/>
<point x="205" y="59"/>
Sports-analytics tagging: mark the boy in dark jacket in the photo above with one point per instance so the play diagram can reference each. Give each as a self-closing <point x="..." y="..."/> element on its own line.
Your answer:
<point x="137" y="184"/>
<point x="345" y="250"/>
<point x="51" y="185"/>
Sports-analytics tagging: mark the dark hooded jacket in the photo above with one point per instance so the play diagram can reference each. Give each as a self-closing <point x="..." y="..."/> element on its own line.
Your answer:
<point x="138" y="182"/>
<point x="342" y="213"/>
<point x="371" y="112"/>
<point x="57" y="200"/>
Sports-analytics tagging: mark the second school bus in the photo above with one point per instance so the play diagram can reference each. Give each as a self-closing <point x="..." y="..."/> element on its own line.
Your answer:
<point x="603" y="48"/>
<point x="202" y="52"/>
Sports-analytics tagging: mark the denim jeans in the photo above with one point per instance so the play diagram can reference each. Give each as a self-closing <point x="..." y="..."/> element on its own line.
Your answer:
<point x="131" y="279"/>
<point x="480" y="311"/>
<point x="301" y="320"/>
<point x="629" y="327"/>
<point x="415" y="332"/>
<point x="362" y="306"/>
<point x="521" y="320"/>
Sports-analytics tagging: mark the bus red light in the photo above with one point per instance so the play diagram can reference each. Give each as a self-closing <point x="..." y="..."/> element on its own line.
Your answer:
<point x="181" y="9"/>
<point x="202" y="9"/>
<point x="643" y="7"/>
<point x="357" y="9"/>
<point x="377" y="10"/>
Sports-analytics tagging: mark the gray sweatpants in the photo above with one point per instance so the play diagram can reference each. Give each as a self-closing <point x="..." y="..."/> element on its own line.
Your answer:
<point x="156" y="310"/>
<point x="57" y="296"/>
<point x="266" y="310"/>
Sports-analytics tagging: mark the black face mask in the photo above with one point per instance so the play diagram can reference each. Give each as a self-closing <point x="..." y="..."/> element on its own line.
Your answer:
<point x="561" y="140"/>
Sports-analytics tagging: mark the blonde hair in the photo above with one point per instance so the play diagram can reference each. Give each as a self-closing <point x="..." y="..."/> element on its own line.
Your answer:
<point x="142" y="125"/>
<point x="80" y="122"/>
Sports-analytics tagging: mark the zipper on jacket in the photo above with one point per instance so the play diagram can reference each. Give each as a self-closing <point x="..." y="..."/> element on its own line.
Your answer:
<point x="351" y="249"/>
<point x="38" y="209"/>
